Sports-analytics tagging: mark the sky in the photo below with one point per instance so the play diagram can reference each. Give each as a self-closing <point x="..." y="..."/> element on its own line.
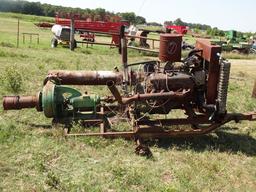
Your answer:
<point x="224" y="14"/>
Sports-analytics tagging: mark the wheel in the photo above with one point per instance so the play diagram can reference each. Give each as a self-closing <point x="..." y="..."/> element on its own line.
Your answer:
<point x="146" y="46"/>
<point x="253" y="51"/>
<point x="235" y="51"/>
<point x="54" y="42"/>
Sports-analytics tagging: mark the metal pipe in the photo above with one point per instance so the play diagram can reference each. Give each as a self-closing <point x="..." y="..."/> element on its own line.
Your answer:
<point x="20" y="102"/>
<point x="66" y="77"/>
<point x="177" y="96"/>
<point x="166" y="95"/>
<point x="124" y="58"/>
<point x="115" y="92"/>
<point x="85" y="77"/>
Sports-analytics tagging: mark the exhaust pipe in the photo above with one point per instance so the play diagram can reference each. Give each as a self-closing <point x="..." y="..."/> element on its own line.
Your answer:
<point x="21" y="102"/>
<point x="177" y="96"/>
<point x="66" y="77"/>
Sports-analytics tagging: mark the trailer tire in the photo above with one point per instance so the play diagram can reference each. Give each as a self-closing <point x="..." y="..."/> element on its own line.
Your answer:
<point x="253" y="51"/>
<point x="54" y="42"/>
<point x="236" y="51"/>
<point x="75" y="44"/>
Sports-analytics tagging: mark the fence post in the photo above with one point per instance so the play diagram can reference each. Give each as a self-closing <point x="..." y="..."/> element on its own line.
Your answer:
<point x="72" y="34"/>
<point x="18" y="33"/>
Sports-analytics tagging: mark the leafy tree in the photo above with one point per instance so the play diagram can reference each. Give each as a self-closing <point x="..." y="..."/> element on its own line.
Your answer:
<point x="33" y="8"/>
<point x="178" y="22"/>
<point x="140" y="20"/>
<point x="101" y="13"/>
<point x="129" y="16"/>
<point x="168" y="23"/>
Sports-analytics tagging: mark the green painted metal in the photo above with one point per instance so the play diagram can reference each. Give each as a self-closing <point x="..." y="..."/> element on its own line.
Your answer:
<point x="85" y="101"/>
<point x="64" y="102"/>
<point x="231" y="35"/>
<point x="48" y="100"/>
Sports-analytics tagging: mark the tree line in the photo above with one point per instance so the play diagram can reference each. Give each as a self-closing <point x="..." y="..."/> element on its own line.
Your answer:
<point x="37" y="8"/>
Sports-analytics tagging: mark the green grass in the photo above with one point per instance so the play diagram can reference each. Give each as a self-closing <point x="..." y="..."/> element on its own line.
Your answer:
<point x="36" y="157"/>
<point x="31" y="18"/>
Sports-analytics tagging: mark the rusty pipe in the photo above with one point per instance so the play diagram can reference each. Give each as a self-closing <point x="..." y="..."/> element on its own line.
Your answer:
<point x="177" y="96"/>
<point x="20" y="102"/>
<point x="124" y="58"/>
<point x="66" y="77"/>
<point x="85" y="77"/>
<point x="115" y="92"/>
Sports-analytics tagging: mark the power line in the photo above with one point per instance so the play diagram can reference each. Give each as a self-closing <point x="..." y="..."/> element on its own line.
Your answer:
<point x="144" y="1"/>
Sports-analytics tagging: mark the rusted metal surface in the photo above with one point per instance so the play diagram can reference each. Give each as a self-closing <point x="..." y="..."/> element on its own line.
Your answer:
<point x="200" y="119"/>
<point x="155" y="130"/>
<point x="85" y="77"/>
<point x="176" y="96"/>
<point x="254" y="90"/>
<point x="124" y="58"/>
<point x="157" y="88"/>
<point x="167" y="82"/>
<point x="66" y="77"/>
<point x="210" y="54"/>
<point x="170" y="47"/>
<point x="20" y="102"/>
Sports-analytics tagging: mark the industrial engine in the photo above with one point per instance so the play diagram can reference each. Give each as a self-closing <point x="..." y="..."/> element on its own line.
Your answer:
<point x="144" y="93"/>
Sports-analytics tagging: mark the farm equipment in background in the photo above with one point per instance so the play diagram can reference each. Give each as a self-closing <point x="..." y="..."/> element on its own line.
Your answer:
<point x="44" y="24"/>
<point x="61" y="36"/>
<point x="86" y="27"/>
<point x="234" y="43"/>
<point x="176" y="29"/>
<point x="87" y="36"/>
<point x="144" y="98"/>
<point x="253" y="48"/>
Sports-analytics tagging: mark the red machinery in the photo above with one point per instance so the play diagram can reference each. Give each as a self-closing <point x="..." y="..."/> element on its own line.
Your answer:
<point x="85" y="25"/>
<point x="178" y="29"/>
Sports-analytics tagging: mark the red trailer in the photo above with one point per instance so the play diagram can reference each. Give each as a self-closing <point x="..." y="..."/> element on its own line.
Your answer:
<point x="87" y="24"/>
<point x="178" y="29"/>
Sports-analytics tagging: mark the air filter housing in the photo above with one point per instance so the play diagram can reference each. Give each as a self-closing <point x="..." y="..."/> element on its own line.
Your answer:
<point x="170" y="47"/>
